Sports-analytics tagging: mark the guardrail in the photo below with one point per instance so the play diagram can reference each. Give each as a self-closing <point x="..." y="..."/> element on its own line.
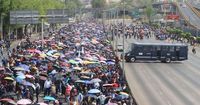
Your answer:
<point x="185" y="17"/>
<point x="193" y="9"/>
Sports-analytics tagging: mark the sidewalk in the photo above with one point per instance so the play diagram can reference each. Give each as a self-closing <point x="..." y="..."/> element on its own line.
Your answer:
<point x="16" y="42"/>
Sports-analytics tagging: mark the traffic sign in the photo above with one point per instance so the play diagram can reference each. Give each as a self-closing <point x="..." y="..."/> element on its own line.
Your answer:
<point x="24" y="17"/>
<point x="58" y="15"/>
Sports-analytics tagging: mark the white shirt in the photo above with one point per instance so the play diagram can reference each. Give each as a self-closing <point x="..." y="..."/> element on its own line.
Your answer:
<point x="47" y="84"/>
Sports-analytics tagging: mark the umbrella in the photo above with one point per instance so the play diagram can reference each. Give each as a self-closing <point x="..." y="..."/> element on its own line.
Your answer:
<point x="43" y="78"/>
<point x="94" y="91"/>
<point x="77" y="68"/>
<point x="111" y="103"/>
<point x="73" y="61"/>
<point x="25" y="67"/>
<point x="9" y="78"/>
<point x="42" y="104"/>
<point x="26" y="83"/>
<point x="49" y="98"/>
<point x="2" y="68"/>
<point x="7" y="100"/>
<point x="85" y="77"/>
<point x="121" y="97"/>
<point x="24" y="101"/>
<point x="20" y="78"/>
<point x="83" y="81"/>
<point x="95" y="80"/>
<point x="44" y="74"/>
<point x="19" y="68"/>
<point x="107" y="85"/>
<point x="30" y="76"/>
<point x="123" y="93"/>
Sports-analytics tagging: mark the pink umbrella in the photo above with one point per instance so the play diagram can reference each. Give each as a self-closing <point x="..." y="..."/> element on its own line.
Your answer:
<point x="42" y="104"/>
<point x="111" y="103"/>
<point x="24" y="101"/>
<point x="34" y="51"/>
<point x="30" y="76"/>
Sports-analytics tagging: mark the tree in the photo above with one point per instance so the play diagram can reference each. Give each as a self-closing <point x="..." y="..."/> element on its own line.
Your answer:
<point x="8" y="5"/>
<point x="98" y="3"/>
<point x="149" y="10"/>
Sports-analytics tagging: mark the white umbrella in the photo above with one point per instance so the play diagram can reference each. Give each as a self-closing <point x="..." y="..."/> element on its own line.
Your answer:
<point x="94" y="91"/>
<point x="24" y="102"/>
<point x="95" y="80"/>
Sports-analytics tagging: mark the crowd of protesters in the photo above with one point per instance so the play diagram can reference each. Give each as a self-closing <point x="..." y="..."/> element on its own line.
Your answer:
<point x="73" y="66"/>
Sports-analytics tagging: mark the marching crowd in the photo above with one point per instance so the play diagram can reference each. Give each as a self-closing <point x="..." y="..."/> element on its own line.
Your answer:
<point x="73" y="66"/>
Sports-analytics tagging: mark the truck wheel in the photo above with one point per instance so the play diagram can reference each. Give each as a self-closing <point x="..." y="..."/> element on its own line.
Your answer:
<point x="132" y="59"/>
<point x="168" y="60"/>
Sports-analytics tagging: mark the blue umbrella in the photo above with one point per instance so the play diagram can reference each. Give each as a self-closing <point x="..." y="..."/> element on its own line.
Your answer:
<point x="25" y="67"/>
<point x="49" y="98"/>
<point x="121" y="97"/>
<point x="26" y="83"/>
<point x="94" y="91"/>
<point x="84" y="81"/>
<point x="20" y="78"/>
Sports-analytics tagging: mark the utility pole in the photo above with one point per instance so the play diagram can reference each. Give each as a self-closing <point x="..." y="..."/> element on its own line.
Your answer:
<point x="117" y="33"/>
<point x="123" y="62"/>
<point x="42" y="32"/>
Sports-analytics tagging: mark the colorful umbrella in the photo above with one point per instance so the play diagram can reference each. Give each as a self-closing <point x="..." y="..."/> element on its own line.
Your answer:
<point x="49" y="98"/>
<point x="24" y="101"/>
<point x="30" y="76"/>
<point x="7" y="100"/>
<point x="19" y="68"/>
<point x="25" y="67"/>
<point x="95" y="80"/>
<point x="9" y="78"/>
<point x="94" y="91"/>
<point x="77" y="68"/>
<point x="107" y="85"/>
<point x="2" y="68"/>
<point x="42" y="104"/>
<point x="83" y="81"/>
<point x="73" y="61"/>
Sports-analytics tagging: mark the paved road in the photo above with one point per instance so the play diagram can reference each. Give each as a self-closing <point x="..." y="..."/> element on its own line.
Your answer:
<point x="155" y="83"/>
<point x="190" y="15"/>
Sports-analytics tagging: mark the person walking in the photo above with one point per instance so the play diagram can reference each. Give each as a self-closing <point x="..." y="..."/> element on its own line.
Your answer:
<point x="37" y="91"/>
<point x="47" y="87"/>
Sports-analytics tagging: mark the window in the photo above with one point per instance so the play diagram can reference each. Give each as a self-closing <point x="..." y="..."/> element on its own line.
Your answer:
<point x="158" y="48"/>
<point x="164" y="48"/>
<point x="177" y="48"/>
<point x="171" y="48"/>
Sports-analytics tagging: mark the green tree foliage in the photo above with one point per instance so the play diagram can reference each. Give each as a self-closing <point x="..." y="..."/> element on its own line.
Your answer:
<point x="149" y="9"/>
<point x="41" y="5"/>
<point x="98" y="3"/>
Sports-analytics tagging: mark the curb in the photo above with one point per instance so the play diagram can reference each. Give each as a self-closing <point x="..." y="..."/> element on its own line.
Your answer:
<point x="193" y="9"/>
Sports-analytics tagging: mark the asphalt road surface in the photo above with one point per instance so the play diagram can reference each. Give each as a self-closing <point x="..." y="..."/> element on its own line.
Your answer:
<point x="155" y="83"/>
<point x="188" y="13"/>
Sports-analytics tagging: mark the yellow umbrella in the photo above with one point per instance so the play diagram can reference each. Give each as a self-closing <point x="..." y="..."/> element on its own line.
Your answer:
<point x="9" y="78"/>
<point x="89" y="62"/>
<point x="56" y="54"/>
<point x="43" y="55"/>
